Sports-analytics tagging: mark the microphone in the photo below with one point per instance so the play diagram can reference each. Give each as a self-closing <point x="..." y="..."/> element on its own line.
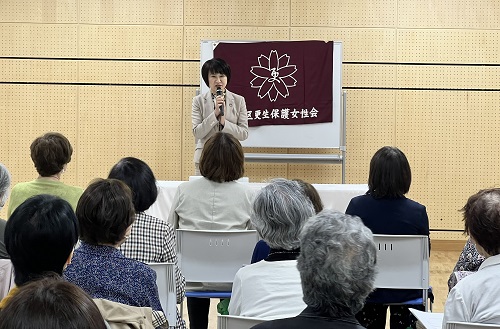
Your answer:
<point x="221" y="108"/>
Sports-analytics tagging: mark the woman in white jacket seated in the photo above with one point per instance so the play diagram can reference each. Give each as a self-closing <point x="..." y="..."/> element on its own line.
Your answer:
<point x="476" y="298"/>
<point x="271" y="288"/>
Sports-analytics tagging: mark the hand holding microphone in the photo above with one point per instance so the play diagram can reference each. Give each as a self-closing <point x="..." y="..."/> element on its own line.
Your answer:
<point x="221" y="106"/>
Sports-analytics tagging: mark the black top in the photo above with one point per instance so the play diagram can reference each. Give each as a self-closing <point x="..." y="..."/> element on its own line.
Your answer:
<point x="395" y="216"/>
<point x="310" y="319"/>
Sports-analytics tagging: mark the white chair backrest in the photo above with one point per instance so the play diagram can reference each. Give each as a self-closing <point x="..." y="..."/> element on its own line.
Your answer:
<point x="403" y="261"/>
<point x="237" y="322"/>
<point x="214" y="256"/>
<point x="6" y="277"/>
<point x="165" y="280"/>
<point x="469" y="325"/>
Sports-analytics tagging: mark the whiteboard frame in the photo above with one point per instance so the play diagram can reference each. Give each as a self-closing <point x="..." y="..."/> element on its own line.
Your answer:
<point x="330" y="135"/>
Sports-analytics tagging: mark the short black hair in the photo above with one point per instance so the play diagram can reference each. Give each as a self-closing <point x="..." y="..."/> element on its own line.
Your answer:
<point x="50" y="153"/>
<point x="215" y="65"/>
<point x="390" y="173"/>
<point x="482" y="219"/>
<point x="141" y="180"/>
<point x="105" y="211"/>
<point x="51" y="303"/>
<point x="40" y="236"/>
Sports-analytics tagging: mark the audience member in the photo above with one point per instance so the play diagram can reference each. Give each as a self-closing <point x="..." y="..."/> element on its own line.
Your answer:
<point x="271" y="288"/>
<point x="152" y="240"/>
<point x="105" y="215"/>
<point x="51" y="303"/>
<point x="51" y="154"/>
<point x="4" y="195"/>
<point x="261" y="249"/>
<point x="384" y="209"/>
<point x="214" y="202"/>
<point x="468" y="262"/>
<point x="337" y="270"/>
<point x="476" y="298"/>
<point x="40" y="237"/>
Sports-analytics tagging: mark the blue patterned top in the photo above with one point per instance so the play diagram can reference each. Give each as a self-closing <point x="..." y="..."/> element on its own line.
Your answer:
<point x="103" y="272"/>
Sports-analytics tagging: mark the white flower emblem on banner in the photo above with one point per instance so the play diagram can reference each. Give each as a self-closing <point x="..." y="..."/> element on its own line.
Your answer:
<point x="273" y="76"/>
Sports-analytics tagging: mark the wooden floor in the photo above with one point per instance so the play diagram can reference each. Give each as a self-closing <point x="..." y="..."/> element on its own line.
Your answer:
<point x="444" y="255"/>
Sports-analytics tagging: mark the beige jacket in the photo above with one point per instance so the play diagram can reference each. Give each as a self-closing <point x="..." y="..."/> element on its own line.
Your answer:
<point x="121" y="316"/>
<point x="205" y="124"/>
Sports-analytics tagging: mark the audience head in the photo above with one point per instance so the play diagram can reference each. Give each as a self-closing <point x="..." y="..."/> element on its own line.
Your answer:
<point x="40" y="236"/>
<point x="312" y="194"/>
<point x="4" y="185"/>
<point x="337" y="263"/>
<point x="51" y="303"/>
<point x="280" y="209"/>
<point x="215" y="66"/>
<point x="50" y="153"/>
<point x="105" y="212"/>
<point x="141" y="180"/>
<point x="390" y="174"/>
<point x="222" y="158"/>
<point x="482" y="220"/>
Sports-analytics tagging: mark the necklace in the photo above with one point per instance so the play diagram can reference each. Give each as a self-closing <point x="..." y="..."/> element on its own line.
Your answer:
<point x="291" y="252"/>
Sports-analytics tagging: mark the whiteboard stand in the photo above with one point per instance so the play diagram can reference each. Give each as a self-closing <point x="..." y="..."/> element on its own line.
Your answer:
<point x="310" y="158"/>
<point x="329" y="135"/>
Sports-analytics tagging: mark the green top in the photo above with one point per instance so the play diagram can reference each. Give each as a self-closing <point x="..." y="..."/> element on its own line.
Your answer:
<point x="23" y="191"/>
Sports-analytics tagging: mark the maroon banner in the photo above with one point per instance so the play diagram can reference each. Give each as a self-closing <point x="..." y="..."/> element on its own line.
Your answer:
<point x="283" y="82"/>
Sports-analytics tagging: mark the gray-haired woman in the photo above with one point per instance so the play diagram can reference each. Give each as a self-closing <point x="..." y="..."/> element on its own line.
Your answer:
<point x="271" y="288"/>
<point x="337" y="268"/>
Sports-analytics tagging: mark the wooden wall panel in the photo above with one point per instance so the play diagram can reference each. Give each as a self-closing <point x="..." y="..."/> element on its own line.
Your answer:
<point x="354" y="13"/>
<point x="451" y="77"/>
<point x="191" y="73"/>
<point x="39" y="11"/>
<point x="370" y="125"/>
<point x="29" y="111"/>
<point x="368" y="75"/>
<point x="116" y="122"/>
<point x="359" y="45"/>
<point x="38" y="40"/>
<point x="144" y="42"/>
<point x="193" y="35"/>
<point x="448" y="46"/>
<point x="188" y="141"/>
<point x="451" y="141"/>
<point x="316" y="173"/>
<point x="33" y="70"/>
<point x="443" y="14"/>
<point x="249" y="12"/>
<point x="152" y="12"/>
<point x="126" y="72"/>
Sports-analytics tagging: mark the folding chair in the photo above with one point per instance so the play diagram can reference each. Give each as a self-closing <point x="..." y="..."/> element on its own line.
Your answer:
<point x="470" y="325"/>
<point x="403" y="263"/>
<point x="237" y="322"/>
<point x="165" y="280"/>
<point x="213" y="257"/>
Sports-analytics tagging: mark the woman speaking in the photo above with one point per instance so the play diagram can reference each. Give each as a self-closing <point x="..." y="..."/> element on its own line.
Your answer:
<point x="218" y="109"/>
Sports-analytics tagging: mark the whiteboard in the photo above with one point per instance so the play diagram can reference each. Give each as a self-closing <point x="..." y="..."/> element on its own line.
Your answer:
<point x="317" y="135"/>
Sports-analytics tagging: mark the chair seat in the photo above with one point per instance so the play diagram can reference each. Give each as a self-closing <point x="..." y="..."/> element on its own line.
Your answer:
<point x="209" y="294"/>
